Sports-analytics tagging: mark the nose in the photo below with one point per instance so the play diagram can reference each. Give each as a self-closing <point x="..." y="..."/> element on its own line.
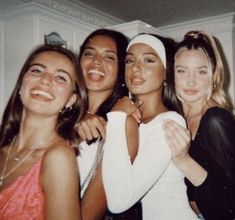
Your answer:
<point x="136" y="66"/>
<point x="191" y="79"/>
<point x="97" y="60"/>
<point x="46" y="79"/>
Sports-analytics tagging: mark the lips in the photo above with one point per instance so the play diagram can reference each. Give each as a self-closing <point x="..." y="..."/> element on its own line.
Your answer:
<point x="38" y="93"/>
<point x="136" y="81"/>
<point x="190" y="91"/>
<point x="95" y="75"/>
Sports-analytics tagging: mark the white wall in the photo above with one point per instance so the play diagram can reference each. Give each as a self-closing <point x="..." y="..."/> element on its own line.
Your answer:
<point x="1" y="68"/>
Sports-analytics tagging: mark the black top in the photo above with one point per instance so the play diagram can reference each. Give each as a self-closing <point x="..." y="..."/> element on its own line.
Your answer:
<point x="214" y="149"/>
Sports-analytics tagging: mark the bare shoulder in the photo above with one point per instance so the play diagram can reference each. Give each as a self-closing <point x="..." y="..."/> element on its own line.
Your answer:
<point x="60" y="149"/>
<point x="59" y="156"/>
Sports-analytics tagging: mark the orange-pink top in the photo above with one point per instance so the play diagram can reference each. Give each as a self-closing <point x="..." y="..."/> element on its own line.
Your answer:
<point x="24" y="198"/>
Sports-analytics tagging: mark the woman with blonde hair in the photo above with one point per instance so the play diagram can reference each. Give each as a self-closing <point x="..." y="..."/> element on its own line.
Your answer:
<point x="209" y="163"/>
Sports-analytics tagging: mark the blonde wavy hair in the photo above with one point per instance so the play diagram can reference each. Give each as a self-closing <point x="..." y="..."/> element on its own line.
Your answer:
<point x="204" y="41"/>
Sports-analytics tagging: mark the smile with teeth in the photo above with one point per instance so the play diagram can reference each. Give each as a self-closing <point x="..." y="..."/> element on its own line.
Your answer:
<point x="38" y="92"/>
<point x="96" y="72"/>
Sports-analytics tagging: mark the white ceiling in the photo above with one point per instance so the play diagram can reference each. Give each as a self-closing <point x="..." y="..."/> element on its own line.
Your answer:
<point x="162" y="12"/>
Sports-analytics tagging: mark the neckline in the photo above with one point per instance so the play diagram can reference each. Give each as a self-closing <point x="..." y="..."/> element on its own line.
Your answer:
<point x="11" y="185"/>
<point x="156" y="117"/>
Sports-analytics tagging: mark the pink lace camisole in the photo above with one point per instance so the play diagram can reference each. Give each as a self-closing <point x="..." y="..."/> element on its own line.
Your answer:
<point x="24" y="198"/>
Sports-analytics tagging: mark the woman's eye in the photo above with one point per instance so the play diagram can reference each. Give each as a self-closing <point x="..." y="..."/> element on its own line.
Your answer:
<point x="128" y="61"/>
<point x="61" y="78"/>
<point x="36" y="71"/>
<point x="179" y="71"/>
<point x="202" y="72"/>
<point x="109" y="57"/>
<point x="87" y="54"/>
<point x="149" y="60"/>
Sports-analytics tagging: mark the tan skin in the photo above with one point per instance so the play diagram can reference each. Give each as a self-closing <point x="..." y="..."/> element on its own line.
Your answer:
<point x="151" y="73"/>
<point x="48" y="82"/>
<point x="99" y="65"/>
<point x="144" y="74"/>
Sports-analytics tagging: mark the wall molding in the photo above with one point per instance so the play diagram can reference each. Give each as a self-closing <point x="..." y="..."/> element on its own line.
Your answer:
<point x="214" y="25"/>
<point x="78" y="11"/>
<point x="135" y="27"/>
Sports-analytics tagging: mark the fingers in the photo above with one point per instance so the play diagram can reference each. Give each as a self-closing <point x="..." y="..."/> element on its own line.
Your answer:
<point x="175" y="130"/>
<point x="125" y="105"/>
<point x="137" y="116"/>
<point x="177" y="137"/>
<point x="98" y="127"/>
<point x="92" y="127"/>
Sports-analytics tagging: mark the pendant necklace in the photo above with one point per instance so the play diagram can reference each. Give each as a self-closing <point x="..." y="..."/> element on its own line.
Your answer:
<point x="17" y="158"/>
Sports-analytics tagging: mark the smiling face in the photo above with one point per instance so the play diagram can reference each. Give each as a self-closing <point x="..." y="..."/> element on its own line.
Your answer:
<point x="99" y="64"/>
<point x="48" y="84"/>
<point x="193" y="76"/>
<point x="144" y="72"/>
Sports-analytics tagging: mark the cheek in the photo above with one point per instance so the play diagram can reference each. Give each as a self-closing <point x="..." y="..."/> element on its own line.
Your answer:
<point x="25" y="84"/>
<point x="113" y="72"/>
<point x="84" y="63"/>
<point x="178" y="85"/>
<point x="205" y="85"/>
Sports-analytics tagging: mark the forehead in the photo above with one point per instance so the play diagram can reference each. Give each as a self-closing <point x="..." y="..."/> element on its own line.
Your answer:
<point x="50" y="56"/>
<point x="141" y="48"/>
<point x="185" y="54"/>
<point x="55" y="61"/>
<point x="102" y="41"/>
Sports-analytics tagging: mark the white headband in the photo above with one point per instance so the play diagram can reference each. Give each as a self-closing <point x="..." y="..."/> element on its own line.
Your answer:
<point x="151" y="41"/>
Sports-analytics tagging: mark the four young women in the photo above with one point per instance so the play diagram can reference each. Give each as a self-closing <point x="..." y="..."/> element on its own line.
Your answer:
<point x="146" y="163"/>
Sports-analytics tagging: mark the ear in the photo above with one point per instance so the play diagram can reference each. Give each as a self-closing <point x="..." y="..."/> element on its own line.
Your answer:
<point x="71" y="101"/>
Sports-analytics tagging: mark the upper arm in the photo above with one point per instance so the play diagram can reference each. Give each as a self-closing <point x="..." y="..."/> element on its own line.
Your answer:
<point x="59" y="179"/>
<point x="218" y="132"/>
<point x="132" y="178"/>
<point x="93" y="203"/>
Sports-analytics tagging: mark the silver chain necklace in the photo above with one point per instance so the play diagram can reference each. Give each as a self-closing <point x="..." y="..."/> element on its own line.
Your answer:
<point x="32" y="149"/>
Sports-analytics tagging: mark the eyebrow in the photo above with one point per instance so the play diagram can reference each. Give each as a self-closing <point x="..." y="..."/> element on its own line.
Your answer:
<point x="109" y="51"/>
<point x="148" y="53"/>
<point x="43" y="66"/>
<point x="182" y="66"/>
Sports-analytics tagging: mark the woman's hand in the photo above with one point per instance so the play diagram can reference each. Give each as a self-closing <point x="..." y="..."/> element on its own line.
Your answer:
<point x="126" y="105"/>
<point x="92" y="126"/>
<point x="178" y="139"/>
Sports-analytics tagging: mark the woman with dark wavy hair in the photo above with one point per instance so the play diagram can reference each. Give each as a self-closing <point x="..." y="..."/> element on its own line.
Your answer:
<point x="37" y="163"/>
<point x="102" y="57"/>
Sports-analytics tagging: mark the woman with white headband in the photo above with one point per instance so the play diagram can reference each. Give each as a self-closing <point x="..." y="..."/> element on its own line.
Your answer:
<point x="152" y="177"/>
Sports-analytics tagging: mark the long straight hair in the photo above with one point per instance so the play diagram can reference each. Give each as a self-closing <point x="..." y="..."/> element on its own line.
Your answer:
<point x="67" y="118"/>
